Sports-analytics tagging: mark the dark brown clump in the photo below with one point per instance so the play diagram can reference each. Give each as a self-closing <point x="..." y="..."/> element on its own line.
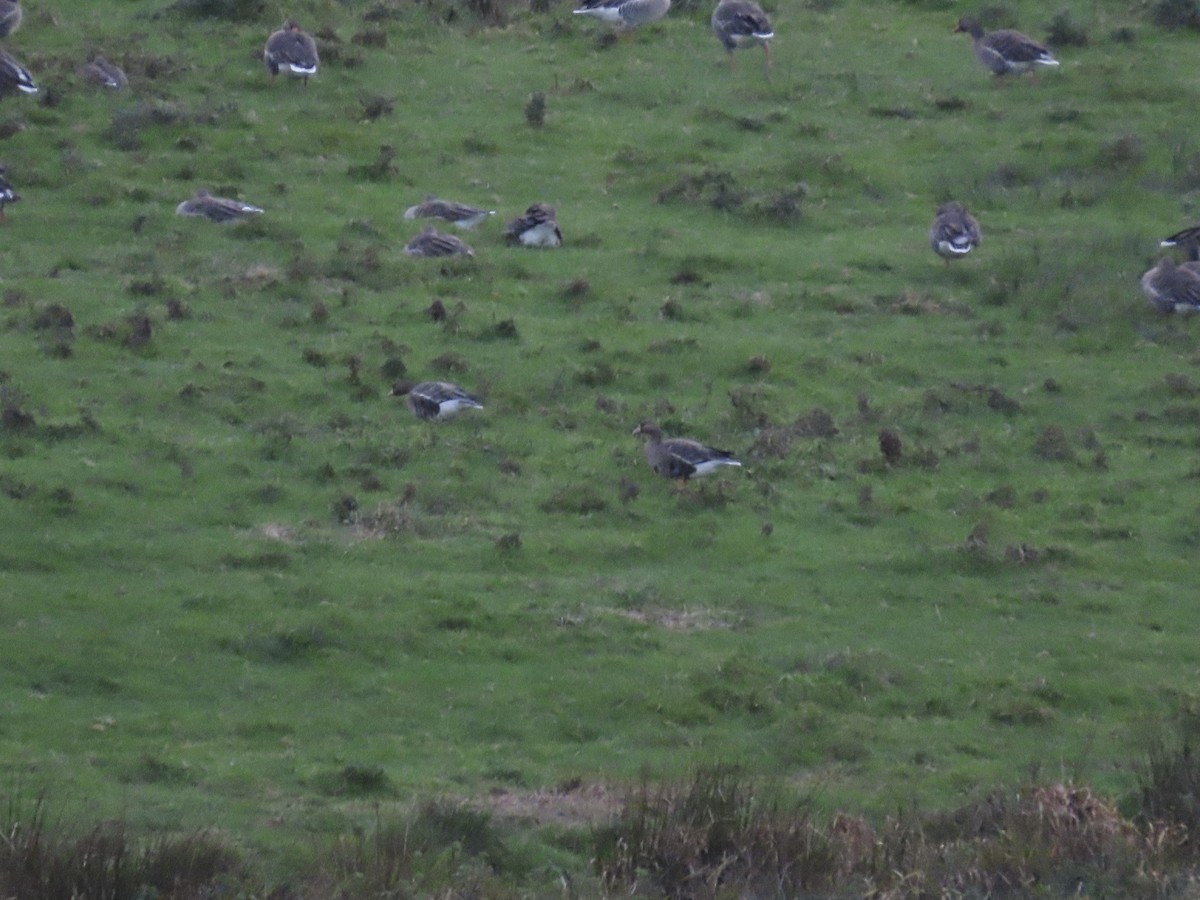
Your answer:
<point x="890" y="446"/>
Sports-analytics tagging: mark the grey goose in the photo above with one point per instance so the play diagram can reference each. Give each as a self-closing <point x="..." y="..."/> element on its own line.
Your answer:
<point x="1171" y="288"/>
<point x="538" y="227"/>
<point x="1005" y="51"/>
<point x="216" y="209"/>
<point x="681" y="458"/>
<point x="954" y="232"/>
<point x="460" y="215"/>
<point x="432" y="242"/>
<point x="434" y="400"/>
<point x="291" y="50"/>
<point x="742" y="23"/>
<point x="626" y="13"/>
<point x="10" y="17"/>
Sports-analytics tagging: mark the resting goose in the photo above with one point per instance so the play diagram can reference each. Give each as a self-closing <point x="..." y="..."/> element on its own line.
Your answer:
<point x="432" y="242"/>
<point x="626" y="13"/>
<point x="954" y="232"/>
<point x="14" y="76"/>
<point x="434" y="400"/>
<point x="538" y="227"/>
<point x="10" y="17"/>
<point x="7" y="194"/>
<point x="681" y="458"/>
<point x="292" y="50"/>
<point x="1005" y="50"/>
<point x="1171" y="288"/>
<point x="460" y="215"/>
<point x="100" y="72"/>
<point x="742" y="23"/>
<point x="216" y="209"/>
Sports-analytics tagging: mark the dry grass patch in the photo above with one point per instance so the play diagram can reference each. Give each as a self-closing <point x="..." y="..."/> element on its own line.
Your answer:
<point x="574" y="803"/>
<point x="676" y="619"/>
<point x="277" y="531"/>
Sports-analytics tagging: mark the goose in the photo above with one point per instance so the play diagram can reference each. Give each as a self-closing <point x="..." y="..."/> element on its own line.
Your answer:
<point x="7" y="194"/>
<point x="681" y="458"/>
<point x="460" y="215"/>
<point x="954" y="232"/>
<point x="626" y="13"/>
<point x="292" y="50"/>
<point x="10" y="17"/>
<point x="100" y="72"/>
<point x="1005" y="50"/>
<point x="431" y="242"/>
<point x="434" y="400"/>
<point x="216" y="209"/>
<point x="742" y="23"/>
<point x="14" y="76"/>
<point x="538" y="227"/>
<point x="1171" y="288"/>
<point x="1188" y="238"/>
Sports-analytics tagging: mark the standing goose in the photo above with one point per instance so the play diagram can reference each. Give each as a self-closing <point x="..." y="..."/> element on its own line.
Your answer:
<point x="1005" y="50"/>
<point x="434" y="400"/>
<point x="14" y="76"/>
<point x="1188" y="238"/>
<point x="742" y="23"/>
<point x="10" y="17"/>
<point x="432" y="242"/>
<point x="1171" y="288"/>
<point x="538" y="227"/>
<point x="626" y="13"/>
<point x="292" y="50"/>
<point x="460" y="215"/>
<point x="681" y="458"/>
<point x="7" y="194"/>
<point x="216" y="209"/>
<point x="100" y="72"/>
<point x="954" y="232"/>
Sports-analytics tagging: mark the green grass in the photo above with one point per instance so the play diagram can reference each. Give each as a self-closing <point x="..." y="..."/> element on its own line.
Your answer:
<point x="242" y="587"/>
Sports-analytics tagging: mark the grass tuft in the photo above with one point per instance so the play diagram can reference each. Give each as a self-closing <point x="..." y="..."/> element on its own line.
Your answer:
<point x="42" y="860"/>
<point x="535" y="110"/>
<point x="709" y="836"/>
<point x="1170" y="786"/>
<point x="1064" y="31"/>
<point x="1175" y="14"/>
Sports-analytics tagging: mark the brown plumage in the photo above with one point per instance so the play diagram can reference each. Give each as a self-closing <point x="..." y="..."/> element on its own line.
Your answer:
<point x="625" y="13"/>
<point x="1005" y="51"/>
<point x="100" y="72"/>
<point x="742" y="23"/>
<point x="216" y="209"/>
<point x="681" y="458"/>
<point x="890" y="446"/>
<point x="1188" y="238"/>
<point x="1171" y="288"/>
<point x="538" y="227"/>
<point x="954" y="232"/>
<point x="432" y="242"/>
<point x="291" y="50"/>
<point x="434" y="400"/>
<point x="10" y="17"/>
<point x="460" y="215"/>
<point x="14" y="77"/>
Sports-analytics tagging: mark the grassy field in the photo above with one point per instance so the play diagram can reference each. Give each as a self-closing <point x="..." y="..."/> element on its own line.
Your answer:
<point x="242" y="587"/>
